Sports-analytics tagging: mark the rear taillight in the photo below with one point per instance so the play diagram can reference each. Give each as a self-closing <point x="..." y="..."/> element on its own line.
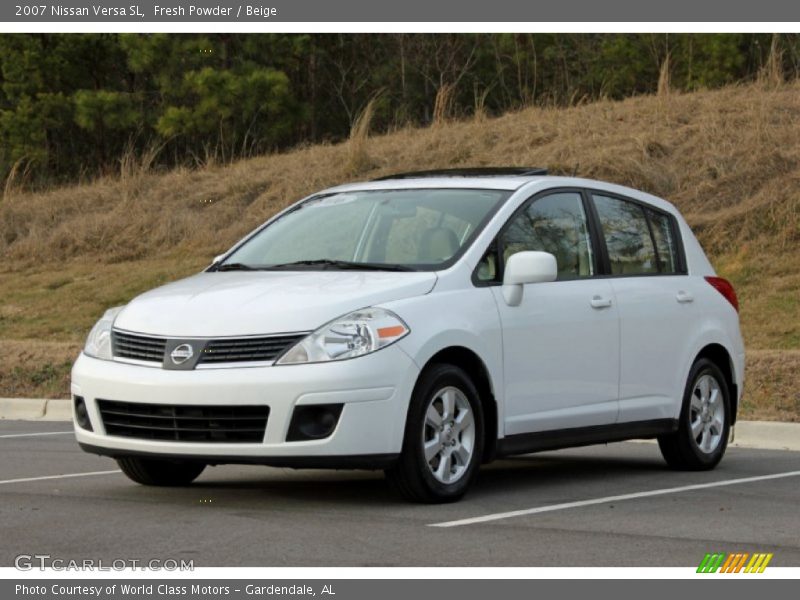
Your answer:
<point x="724" y="287"/>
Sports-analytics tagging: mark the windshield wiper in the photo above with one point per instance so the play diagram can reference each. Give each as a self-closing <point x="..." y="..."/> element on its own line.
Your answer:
<point x="341" y="264"/>
<point x="235" y="267"/>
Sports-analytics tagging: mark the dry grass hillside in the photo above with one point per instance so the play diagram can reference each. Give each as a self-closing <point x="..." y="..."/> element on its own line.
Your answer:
<point x="729" y="159"/>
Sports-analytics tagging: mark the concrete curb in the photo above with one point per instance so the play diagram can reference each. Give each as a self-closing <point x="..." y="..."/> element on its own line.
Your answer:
<point x="58" y="410"/>
<point x="773" y="435"/>
<point x="765" y="435"/>
<point x="34" y="409"/>
<point x="23" y="409"/>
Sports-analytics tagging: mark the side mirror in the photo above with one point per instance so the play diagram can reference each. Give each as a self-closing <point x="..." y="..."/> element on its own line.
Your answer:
<point x="527" y="267"/>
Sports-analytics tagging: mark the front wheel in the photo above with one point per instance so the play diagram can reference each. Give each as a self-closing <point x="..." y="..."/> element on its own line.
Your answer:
<point x="704" y="424"/>
<point x="443" y="439"/>
<point x="160" y="472"/>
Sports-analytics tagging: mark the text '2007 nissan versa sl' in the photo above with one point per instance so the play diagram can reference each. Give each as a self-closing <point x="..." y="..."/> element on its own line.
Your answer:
<point x="423" y="324"/>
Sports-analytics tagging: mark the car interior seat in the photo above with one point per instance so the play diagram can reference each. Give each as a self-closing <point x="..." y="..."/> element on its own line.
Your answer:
<point x="437" y="245"/>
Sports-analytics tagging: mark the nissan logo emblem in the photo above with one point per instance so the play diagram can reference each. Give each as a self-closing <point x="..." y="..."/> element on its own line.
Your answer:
<point x="181" y="354"/>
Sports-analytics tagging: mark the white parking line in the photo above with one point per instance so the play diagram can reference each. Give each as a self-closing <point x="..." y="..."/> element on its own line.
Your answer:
<point x="67" y="475"/>
<point x="17" y="435"/>
<point x="633" y="496"/>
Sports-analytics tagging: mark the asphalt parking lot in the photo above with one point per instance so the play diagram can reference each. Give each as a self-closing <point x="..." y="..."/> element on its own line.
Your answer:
<point x="611" y="505"/>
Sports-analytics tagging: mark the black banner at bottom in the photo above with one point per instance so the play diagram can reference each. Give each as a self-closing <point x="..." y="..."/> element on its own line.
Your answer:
<point x="731" y="588"/>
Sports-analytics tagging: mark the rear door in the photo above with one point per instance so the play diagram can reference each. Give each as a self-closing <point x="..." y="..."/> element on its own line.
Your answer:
<point x="561" y="344"/>
<point x="655" y="302"/>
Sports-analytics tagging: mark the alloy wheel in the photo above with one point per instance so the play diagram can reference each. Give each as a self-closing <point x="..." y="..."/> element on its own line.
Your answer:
<point x="448" y="435"/>
<point x="707" y="414"/>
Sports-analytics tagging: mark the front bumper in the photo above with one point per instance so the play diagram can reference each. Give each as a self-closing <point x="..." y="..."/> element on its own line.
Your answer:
<point x="373" y="389"/>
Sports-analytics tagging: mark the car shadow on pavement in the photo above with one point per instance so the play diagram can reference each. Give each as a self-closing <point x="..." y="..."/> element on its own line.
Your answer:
<point x="254" y="486"/>
<point x="329" y="487"/>
<point x="552" y="470"/>
<point x="515" y="474"/>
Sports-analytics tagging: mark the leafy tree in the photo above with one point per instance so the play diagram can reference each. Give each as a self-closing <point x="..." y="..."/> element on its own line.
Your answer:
<point x="248" y="110"/>
<point x="72" y="104"/>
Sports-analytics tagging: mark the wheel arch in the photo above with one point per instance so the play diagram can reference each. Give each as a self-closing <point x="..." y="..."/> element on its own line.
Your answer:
<point x="720" y="356"/>
<point x="475" y="367"/>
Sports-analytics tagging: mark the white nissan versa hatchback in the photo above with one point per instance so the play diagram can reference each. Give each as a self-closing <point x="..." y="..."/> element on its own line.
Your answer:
<point x="423" y="324"/>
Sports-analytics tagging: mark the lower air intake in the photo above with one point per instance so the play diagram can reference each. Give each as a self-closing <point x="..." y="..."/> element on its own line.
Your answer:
<point x="182" y="423"/>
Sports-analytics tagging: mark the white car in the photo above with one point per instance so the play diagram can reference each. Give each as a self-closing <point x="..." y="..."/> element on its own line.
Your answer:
<point x="424" y="324"/>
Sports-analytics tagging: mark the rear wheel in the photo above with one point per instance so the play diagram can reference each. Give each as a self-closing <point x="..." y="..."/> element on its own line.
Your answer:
<point x="704" y="424"/>
<point x="160" y="472"/>
<point x="443" y="439"/>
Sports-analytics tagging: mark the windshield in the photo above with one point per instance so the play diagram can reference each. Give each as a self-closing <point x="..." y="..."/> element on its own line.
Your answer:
<point x="393" y="230"/>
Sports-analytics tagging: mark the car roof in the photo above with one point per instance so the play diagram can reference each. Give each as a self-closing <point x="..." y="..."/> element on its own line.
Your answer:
<point x="509" y="183"/>
<point x="500" y="182"/>
<point x="406" y="183"/>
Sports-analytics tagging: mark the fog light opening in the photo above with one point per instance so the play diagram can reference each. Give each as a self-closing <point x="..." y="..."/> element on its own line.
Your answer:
<point x="313" y="422"/>
<point x="81" y="414"/>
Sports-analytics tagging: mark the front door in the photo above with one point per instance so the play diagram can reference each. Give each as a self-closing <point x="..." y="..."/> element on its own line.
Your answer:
<point x="561" y="343"/>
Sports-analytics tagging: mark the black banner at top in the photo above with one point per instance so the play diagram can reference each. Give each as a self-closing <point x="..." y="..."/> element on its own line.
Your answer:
<point x="442" y="11"/>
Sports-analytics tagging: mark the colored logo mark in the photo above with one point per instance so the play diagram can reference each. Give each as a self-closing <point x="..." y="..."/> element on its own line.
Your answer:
<point x="738" y="562"/>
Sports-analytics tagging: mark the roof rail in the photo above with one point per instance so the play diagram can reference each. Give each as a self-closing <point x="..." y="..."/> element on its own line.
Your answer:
<point x="469" y="172"/>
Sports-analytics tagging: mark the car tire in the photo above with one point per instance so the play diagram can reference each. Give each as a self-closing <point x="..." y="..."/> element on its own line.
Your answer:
<point x="444" y="437"/>
<point x="704" y="423"/>
<point x="160" y="472"/>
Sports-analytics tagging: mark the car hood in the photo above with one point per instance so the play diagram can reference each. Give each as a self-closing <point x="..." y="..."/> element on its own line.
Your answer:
<point x="239" y="303"/>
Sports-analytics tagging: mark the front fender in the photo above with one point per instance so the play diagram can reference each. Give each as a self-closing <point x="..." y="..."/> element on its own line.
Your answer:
<point x="435" y="326"/>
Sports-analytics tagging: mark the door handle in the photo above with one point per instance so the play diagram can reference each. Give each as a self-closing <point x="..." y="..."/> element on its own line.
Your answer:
<point x="683" y="297"/>
<point x="600" y="302"/>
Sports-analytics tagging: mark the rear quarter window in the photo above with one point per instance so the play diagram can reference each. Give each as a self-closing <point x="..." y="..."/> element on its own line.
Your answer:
<point x="666" y="244"/>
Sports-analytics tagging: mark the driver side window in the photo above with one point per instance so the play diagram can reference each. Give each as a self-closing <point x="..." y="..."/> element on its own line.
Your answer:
<point x="556" y="224"/>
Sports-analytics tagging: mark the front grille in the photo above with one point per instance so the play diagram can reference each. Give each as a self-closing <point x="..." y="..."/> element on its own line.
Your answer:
<point x="181" y="423"/>
<point x="138" y="347"/>
<point x="211" y="351"/>
<point x="247" y="349"/>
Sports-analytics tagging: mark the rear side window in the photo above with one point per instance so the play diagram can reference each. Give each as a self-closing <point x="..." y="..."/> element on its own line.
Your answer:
<point x="627" y="235"/>
<point x="664" y="236"/>
<point x="556" y="224"/>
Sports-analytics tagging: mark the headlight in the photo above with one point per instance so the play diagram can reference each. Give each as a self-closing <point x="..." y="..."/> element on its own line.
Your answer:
<point x="359" y="333"/>
<point x="98" y="344"/>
